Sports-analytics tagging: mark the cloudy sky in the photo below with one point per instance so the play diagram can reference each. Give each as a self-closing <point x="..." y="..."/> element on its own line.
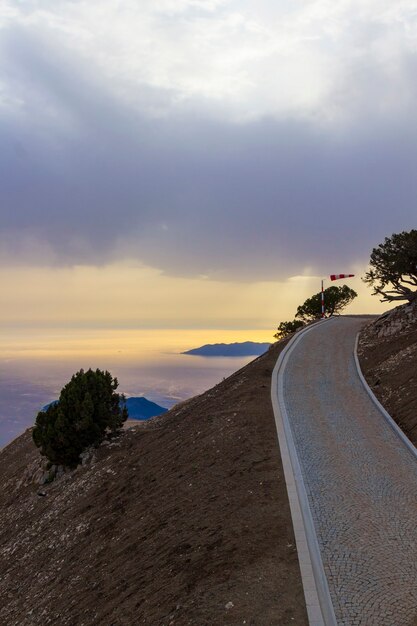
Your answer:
<point x="199" y="163"/>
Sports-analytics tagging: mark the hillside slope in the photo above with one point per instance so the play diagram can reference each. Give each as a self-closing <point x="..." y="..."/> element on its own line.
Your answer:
<point x="182" y="520"/>
<point x="388" y="355"/>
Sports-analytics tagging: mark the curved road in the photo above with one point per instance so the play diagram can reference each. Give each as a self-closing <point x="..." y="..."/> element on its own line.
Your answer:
<point x="360" y="478"/>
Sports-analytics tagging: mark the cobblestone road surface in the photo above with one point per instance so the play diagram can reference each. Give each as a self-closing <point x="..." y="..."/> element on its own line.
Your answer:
<point x="360" y="478"/>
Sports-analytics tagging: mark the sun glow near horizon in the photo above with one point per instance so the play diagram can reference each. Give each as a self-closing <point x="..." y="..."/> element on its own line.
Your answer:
<point x="63" y="343"/>
<point x="126" y="309"/>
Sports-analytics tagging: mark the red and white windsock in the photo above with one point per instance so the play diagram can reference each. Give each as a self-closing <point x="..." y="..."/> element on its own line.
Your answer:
<point x="332" y="277"/>
<point x="337" y="276"/>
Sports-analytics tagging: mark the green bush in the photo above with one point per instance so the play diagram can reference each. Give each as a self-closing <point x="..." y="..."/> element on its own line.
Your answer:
<point x="335" y="300"/>
<point x="286" y="328"/>
<point x="87" y="409"/>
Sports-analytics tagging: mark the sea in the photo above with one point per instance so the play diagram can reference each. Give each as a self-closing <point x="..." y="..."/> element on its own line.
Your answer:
<point x="36" y="363"/>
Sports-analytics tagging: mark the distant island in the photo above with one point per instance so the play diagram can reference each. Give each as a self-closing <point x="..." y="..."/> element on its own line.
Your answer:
<point x="138" y="408"/>
<point x="246" y="348"/>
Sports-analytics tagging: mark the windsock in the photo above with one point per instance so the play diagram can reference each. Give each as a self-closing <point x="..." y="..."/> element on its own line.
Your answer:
<point x="337" y="276"/>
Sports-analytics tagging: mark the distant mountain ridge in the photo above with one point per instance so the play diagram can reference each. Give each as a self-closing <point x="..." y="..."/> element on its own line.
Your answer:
<point x="245" y="348"/>
<point x="138" y="408"/>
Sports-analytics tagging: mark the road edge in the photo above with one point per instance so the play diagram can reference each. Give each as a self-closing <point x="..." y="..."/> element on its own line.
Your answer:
<point x="378" y="405"/>
<point x="319" y="605"/>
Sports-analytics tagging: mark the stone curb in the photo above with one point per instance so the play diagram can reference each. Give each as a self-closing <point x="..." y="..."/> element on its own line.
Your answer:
<point x="379" y="406"/>
<point x="316" y="591"/>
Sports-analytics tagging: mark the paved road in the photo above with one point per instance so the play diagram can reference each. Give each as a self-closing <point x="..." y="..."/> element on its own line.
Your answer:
<point x="360" y="478"/>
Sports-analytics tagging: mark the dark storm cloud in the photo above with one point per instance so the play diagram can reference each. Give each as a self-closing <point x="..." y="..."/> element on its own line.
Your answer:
<point x="92" y="180"/>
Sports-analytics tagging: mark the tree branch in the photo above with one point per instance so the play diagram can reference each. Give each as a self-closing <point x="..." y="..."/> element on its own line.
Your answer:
<point x="412" y="282"/>
<point x="387" y="298"/>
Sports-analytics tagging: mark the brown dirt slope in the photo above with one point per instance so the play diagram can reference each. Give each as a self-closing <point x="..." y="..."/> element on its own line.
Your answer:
<point x="388" y="357"/>
<point x="182" y="521"/>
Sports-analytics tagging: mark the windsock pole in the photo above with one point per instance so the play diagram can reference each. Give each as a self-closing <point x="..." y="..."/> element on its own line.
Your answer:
<point x="332" y="277"/>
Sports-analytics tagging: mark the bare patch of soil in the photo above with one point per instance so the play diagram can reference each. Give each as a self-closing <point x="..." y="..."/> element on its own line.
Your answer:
<point x="388" y="357"/>
<point x="181" y="520"/>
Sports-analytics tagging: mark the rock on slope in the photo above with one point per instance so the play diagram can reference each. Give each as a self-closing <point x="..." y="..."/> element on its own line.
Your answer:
<point x="181" y="520"/>
<point x="388" y="357"/>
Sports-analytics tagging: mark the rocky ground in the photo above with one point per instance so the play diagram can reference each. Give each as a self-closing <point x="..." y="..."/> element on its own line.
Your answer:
<point x="388" y="356"/>
<point x="182" y="520"/>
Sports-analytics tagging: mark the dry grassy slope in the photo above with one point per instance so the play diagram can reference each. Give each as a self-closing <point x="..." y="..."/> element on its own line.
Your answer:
<point x="388" y="357"/>
<point x="168" y="525"/>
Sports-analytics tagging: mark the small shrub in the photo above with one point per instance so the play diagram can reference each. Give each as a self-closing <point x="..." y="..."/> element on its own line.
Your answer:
<point x="87" y="409"/>
<point x="286" y="328"/>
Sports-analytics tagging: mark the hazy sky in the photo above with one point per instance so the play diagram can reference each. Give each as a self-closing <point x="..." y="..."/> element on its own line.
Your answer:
<point x="178" y="162"/>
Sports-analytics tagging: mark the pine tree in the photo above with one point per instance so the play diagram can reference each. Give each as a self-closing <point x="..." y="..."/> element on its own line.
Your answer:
<point x="393" y="268"/>
<point x="87" y="409"/>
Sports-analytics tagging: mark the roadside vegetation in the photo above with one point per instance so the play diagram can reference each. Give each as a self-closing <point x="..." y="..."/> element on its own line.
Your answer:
<point x="392" y="273"/>
<point x="336" y="299"/>
<point x="393" y="268"/>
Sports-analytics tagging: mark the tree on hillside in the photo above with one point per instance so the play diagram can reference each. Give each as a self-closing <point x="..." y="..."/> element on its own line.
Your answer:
<point x="287" y="328"/>
<point x="335" y="298"/>
<point x="88" y="408"/>
<point x="393" y="268"/>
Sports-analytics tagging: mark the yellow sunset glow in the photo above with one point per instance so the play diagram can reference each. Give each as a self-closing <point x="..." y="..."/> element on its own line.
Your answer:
<point x="123" y="296"/>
